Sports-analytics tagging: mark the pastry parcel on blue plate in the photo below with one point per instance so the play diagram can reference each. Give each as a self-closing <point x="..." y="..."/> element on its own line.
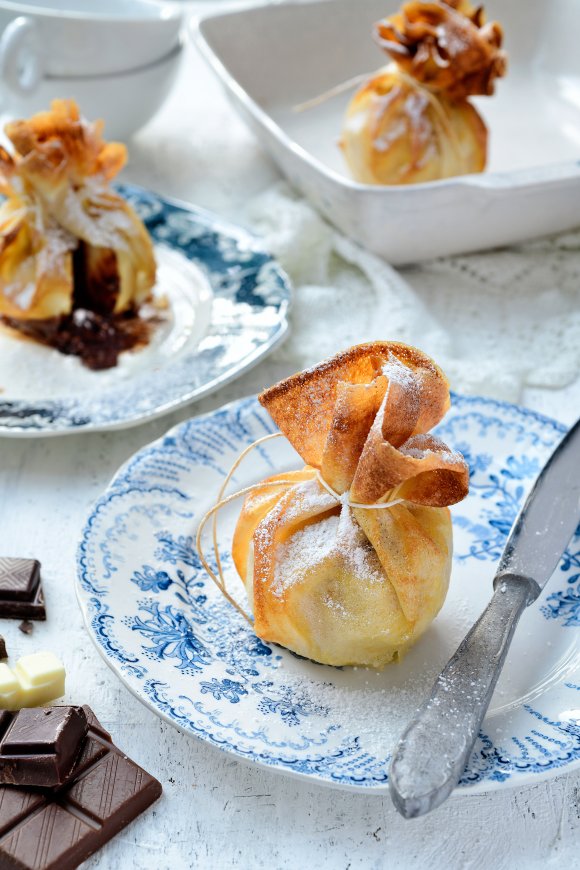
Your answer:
<point x="76" y="261"/>
<point x="347" y="561"/>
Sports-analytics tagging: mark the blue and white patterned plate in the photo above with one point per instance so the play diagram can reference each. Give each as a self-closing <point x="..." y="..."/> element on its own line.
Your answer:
<point x="227" y="306"/>
<point x="187" y="654"/>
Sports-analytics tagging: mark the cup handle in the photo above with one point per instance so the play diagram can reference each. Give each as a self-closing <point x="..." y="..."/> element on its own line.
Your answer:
<point x="21" y="56"/>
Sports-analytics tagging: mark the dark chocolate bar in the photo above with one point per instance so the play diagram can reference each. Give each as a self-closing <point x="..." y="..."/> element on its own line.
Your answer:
<point x="60" y="828"/>
<point x="3" y="652"/>
<point x="21" y="594"/>
<point x="39" y="746"/>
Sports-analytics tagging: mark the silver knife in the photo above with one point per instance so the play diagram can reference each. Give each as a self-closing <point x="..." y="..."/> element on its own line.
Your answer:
<point x="432" y="753"/>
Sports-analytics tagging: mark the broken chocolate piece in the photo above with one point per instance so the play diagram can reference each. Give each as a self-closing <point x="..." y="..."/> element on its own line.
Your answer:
<point x="39" y="746"/>
<point x="20" y="589"/>
<point x="60" y="828"/>
<point x="3" y="652"/>
<point x="26" y="626"/>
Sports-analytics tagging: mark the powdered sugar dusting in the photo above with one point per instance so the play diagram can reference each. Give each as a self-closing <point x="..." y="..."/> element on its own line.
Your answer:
<point x="303" y="553"/>
<point x="454" y="40"/>
<point x="422" y="445"/>
<point x="337" y="538"/>
<point x="309" y="499"/>
<point x="398" y="373"/>
<point x="58" y="242"/>
<point x="405" y="379"/>
<point x="357" y="550"/>
<point x="89" y="212"/>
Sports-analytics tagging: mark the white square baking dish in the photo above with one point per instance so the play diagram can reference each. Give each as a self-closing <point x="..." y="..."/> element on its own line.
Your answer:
<point x="271" y="58"/>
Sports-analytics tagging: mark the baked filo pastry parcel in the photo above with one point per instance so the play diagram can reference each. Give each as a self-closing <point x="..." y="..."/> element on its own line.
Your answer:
<point x="413" y="121"/>
<point x="67" y="240"/>
<point x="348" y="560"/>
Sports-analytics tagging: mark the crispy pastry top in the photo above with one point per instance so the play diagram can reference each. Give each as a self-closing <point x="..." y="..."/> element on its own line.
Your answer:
<point x="57" y="185"/>
<point x="446" y="46"/>
<point x="362" y="418"/>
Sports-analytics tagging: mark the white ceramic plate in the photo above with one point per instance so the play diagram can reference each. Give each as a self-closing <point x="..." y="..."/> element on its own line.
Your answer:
<point x="271" y="58"/>
<point x="228" y="301"/>
<point x="173" y="640"/>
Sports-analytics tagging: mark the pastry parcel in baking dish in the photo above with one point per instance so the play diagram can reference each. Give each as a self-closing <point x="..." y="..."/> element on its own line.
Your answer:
<point x="413" y="120"/>
<point x="76" y="262"/>
<point x="347" y="561"/>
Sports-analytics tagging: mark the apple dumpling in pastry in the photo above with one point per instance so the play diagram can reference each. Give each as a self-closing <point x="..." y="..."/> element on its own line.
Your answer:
<point x="348" y="560"/>
<point x="413" y="120"/>
<point x="76" y="262"/>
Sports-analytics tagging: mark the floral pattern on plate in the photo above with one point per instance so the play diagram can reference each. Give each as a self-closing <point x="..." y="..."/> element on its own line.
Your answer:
<point x="251" y="295"/>
<point x="176" y="643"/>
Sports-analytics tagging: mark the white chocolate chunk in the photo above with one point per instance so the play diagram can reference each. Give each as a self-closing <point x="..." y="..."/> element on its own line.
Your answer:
<point x="39" y="668"/>
<point x="41" y="676"/>
<point x="36" y="679"/>
<point x="10" y="689"/>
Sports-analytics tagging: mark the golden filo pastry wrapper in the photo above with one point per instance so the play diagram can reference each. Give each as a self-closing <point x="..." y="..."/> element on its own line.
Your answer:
<point x="327" y="577"/>
<point x="446" y="46"/>
<point x="412" y="121"/>
<point x="58" y="193"/>
<point x="396" y="131"/>
<point x="36" y="264"/>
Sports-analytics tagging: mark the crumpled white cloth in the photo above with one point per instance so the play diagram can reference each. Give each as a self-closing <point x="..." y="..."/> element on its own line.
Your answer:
<point x="495" y="322"/>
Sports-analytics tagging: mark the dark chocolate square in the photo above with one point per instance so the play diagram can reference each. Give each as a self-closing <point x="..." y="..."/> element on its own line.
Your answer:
<point x="16" y="804"/>
<point x="39" y="746"/>
<point x="19" y="578"/>
<point x="46" y="839"/>
<point x="21" y="594"/>
<point x="57" y="829"/>
<point x="91" y="751"/>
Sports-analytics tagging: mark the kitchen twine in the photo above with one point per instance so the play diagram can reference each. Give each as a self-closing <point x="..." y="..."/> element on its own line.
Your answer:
<point x="218" y="578"/>
<point x="347" y="85"/>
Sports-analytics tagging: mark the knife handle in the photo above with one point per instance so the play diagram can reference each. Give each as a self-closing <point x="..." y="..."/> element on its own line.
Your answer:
<point x="432" y="753"/>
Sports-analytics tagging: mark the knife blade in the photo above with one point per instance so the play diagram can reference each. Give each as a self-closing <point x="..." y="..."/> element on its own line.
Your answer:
<point x="548" y="519"/>
<point x="434" y="748"/>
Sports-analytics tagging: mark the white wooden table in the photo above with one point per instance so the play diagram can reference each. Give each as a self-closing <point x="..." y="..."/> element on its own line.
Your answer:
<point x="216" y="812"/>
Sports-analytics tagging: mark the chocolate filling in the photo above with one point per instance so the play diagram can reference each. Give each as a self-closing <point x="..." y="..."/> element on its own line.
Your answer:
<point x="92" y="331"/>
<point x="97" y="339"/>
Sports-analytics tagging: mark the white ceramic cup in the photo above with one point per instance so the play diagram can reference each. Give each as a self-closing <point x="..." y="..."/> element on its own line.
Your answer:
<point x="125" y="101"/>
<point x="44" y="39"/>
<point x="117" y="58"/>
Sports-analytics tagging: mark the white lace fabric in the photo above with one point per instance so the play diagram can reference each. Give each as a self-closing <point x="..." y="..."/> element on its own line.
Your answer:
<point x="497" y="322"/>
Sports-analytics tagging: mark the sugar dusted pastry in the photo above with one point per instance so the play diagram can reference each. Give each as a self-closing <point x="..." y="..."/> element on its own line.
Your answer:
<point x="68" y="242"/>
<point x="348" y="560"/>
<point x="413" y="120"/>
<point x="447" y="46"/>
<point x="398" y="133"/>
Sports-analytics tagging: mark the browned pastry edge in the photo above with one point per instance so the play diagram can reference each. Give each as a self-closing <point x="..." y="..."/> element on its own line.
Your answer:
<point x="446" y="47"/>
<point x="361" y="419"/>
